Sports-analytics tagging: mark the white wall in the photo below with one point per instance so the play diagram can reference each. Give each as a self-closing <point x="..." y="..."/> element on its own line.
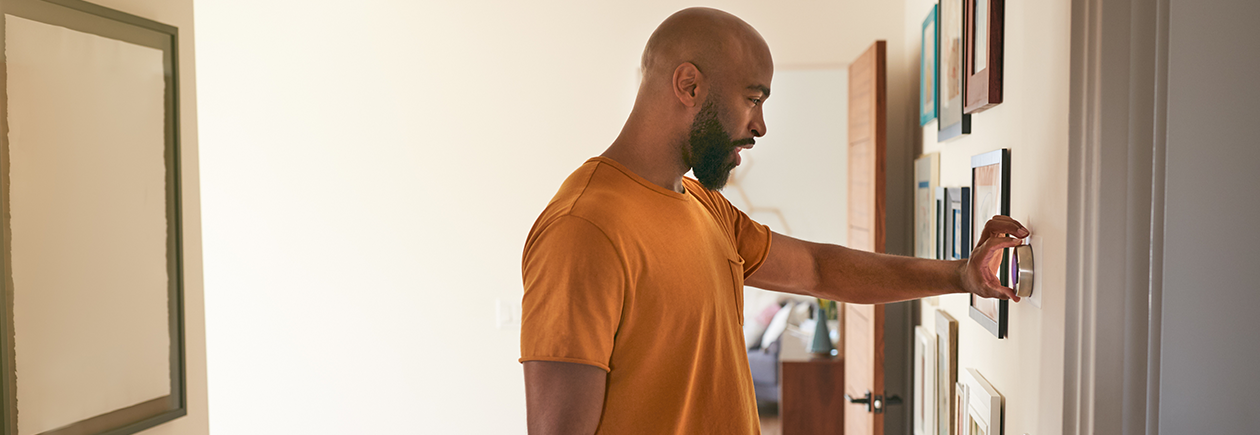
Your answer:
<point x="1209" y="348"/>
<point x="179" y="13"/>
<point x="795" y="180"/>
<point x="372" y="169"/>
<point x="1026" y="367"/>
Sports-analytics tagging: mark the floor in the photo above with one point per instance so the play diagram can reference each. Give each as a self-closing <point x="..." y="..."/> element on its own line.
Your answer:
<point x="769" y="416"/>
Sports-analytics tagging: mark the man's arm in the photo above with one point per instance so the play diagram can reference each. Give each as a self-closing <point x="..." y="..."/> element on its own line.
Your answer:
<point x="563" y="398"/>
<point x="842" y="274"/>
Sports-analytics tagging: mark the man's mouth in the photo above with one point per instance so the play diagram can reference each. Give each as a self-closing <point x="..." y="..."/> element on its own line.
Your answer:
<point x="735" y="153"/>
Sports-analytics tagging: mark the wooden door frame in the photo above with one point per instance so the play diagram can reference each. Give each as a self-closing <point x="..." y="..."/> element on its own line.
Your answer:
<point x="1116" y="162"/>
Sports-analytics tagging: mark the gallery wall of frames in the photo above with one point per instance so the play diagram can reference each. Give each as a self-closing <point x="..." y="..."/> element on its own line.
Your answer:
<point x="994" y="142"/>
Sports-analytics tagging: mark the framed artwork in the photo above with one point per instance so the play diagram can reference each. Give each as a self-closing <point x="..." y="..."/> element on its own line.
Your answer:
<point x="926" y="177"/>
<point x="941" y="207"/>
<point x="952" y="121"/>
<point x="959" y="411"/>
<point x="924" y="382"/>
<point x="984" y="406"/>
<point x="946" y="371"/>
<point x="92" y="218"/>
<point x="983" y="54"/>
<point x="927" y="69"/>
<point x="990" y="196"/>
<point x="957" y="223"/>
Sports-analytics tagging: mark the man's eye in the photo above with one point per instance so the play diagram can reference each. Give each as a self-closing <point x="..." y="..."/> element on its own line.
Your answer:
<point x="756" y="101"/>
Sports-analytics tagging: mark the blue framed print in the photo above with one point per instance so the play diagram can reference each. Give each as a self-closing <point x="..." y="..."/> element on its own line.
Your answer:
<point x="928" y="67"/>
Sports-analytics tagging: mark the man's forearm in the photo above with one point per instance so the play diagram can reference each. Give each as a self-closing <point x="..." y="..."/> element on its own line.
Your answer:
<point x="849" y="275"/>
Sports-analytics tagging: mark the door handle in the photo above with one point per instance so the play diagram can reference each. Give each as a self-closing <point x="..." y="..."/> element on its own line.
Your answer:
<point x="863" y="401"/>
<point x="874" y="403"/>
<point x="881" y="401"/>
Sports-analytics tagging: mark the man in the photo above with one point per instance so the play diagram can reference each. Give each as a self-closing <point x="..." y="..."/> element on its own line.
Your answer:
<point x="634" y="274"/>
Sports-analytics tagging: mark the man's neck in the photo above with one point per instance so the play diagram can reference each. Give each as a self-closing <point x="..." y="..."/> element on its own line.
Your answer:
<point x="657" y="172"/>
<point x="653" y="157"/>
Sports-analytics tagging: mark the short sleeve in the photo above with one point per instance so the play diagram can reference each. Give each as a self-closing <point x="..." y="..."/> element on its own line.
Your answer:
<point x="751" y="238"/>
<point x="575" y="284"/>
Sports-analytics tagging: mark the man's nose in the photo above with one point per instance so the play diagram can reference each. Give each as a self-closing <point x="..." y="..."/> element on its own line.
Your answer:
<point x="758" y="126"/>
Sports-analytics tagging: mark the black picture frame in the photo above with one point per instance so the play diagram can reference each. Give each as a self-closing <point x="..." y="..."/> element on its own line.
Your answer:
<point x="990" y="196"/>
<point x="941" y="207"/>
<point x="957" y="203"/>
<point x="89" y="18"/>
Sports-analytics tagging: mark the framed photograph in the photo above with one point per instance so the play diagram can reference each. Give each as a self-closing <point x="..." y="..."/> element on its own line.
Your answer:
<point x="941" y="207"/>
<point x="959" y="411"/>
<point x="924" y="382"/>
<point x="926" y="177"/>
<point x="957" y="223"/>
<point x="983" y="54"/>
<point x="946" y="371"/>
<point x="990" y="196"/>
<point x="927" y="69"/>
<point x="952" y="121"/>
<point x="92" y="221"/>
<point x="985" y="406"/>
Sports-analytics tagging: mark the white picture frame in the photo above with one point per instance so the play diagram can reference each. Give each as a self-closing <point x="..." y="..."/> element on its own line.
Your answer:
<point x="958" y="410"/>
<point x="924" y="407"/>
<point x="946" y="371"/>
<point x="985" y="405"/>
<point x="926" y="179"/>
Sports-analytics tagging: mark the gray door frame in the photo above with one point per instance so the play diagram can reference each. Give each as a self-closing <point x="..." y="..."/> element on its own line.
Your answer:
<point x="1116" y="180"/>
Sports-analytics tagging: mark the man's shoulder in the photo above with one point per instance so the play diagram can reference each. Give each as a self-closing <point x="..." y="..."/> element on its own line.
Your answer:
<point x="593" y="192"/>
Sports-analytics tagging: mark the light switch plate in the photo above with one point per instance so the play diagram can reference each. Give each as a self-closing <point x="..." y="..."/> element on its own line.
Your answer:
<point x="507" y="313"/>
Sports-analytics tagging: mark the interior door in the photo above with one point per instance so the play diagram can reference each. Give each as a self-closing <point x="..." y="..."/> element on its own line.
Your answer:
<point x="864" y="324"/>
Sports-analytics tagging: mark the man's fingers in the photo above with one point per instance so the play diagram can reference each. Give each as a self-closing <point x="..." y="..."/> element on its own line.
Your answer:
<point x="997" y="290"/>
<point x="1004" y="225"/>
<point x="1007" y="292"/>
<point x="1006" y="242"/>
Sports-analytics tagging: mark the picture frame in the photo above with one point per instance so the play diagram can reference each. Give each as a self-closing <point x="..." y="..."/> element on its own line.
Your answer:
<point x="952" y="120"/>
<point x="941" y="207"/>
<point x="958" y="411"/>
<point x="924" y="406"/>
<point x="990" y="196"/>
<point x="985" y="406"/>
<point x="926" y="178"/>
<point x="108" y="289"/>
<point x="946" y="372"/>
<point x="929" y="38"/>
<point x="957" y="223"/>
<point x="984" y="54"/>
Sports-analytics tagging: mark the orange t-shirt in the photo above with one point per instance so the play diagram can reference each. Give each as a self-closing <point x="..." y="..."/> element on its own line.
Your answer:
<point x="646" y="283"/>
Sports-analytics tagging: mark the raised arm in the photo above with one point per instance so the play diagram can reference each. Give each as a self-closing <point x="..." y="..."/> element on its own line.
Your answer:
<point x="563" y="398"/>
<point x="848" y="275"/>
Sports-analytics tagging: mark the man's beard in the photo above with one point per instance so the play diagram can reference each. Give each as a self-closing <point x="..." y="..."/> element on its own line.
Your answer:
<point x="709" y="147"/>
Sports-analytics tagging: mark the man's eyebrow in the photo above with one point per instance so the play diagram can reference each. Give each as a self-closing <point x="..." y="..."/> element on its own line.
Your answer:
<point x="764" y="90"/>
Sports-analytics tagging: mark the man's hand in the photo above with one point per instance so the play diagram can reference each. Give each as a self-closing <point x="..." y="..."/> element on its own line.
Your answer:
<point x="979" y="273"/>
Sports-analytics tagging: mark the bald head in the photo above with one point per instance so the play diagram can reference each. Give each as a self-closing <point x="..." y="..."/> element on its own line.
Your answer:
<point x="706" y="74"/>
<point x="716" y="42"/>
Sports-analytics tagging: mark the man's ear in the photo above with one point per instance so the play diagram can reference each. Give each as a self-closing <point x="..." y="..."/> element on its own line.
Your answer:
<point x="688" y="84"/>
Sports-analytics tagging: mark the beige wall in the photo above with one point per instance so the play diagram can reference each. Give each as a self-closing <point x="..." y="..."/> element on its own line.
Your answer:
<point x="179" y="13"/>
<point x="372" y="170"/>
<point x="1026" y="367"/>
